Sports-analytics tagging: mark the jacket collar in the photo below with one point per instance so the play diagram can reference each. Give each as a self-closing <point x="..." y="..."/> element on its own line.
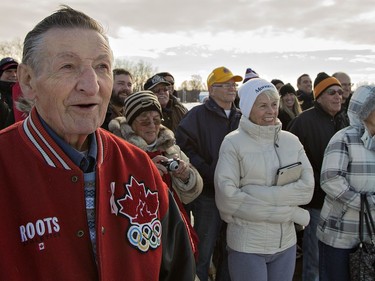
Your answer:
<point x="213" y="106"/>
<point x="260" y="133"/>
<point x="42" y="142"/>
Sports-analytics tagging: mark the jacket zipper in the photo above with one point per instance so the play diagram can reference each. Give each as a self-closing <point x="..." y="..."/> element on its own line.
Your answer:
<point x="281" y="236"/>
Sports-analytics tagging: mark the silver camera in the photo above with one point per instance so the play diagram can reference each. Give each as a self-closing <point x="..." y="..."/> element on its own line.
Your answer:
<point x="171" y="164"/>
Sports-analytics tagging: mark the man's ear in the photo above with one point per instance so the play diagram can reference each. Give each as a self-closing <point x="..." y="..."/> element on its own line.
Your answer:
<point x="26" y="78"/>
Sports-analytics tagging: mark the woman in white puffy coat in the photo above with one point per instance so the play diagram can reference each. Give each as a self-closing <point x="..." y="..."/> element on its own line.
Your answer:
<point x="261" y="236"/>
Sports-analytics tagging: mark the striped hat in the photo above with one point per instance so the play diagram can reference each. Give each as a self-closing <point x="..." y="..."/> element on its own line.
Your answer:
<point x="140" y="102"/>
<point x="322" y="82"/>
<point x="250" y="74"/>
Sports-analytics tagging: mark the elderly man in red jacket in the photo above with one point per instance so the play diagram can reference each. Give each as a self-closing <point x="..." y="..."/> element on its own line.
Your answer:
<point x="77" y="202"/>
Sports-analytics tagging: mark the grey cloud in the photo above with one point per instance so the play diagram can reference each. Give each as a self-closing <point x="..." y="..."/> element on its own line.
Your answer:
<point x="343" y="21"/>
<point x="285" y="66"/>
<point x="338" y="21"/>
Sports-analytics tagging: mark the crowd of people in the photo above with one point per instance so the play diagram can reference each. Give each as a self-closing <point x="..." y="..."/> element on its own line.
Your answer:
<point x="104" y="183"/>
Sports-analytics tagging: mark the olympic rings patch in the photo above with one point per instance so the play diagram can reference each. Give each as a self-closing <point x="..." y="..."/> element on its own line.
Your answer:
<point x="146" y="235"/>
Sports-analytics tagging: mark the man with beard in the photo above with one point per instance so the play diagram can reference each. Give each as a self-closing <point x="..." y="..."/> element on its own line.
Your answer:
<point x="122" y="88"/>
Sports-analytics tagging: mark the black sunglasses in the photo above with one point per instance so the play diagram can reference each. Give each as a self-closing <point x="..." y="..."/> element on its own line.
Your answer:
<point x="332" y="92"/>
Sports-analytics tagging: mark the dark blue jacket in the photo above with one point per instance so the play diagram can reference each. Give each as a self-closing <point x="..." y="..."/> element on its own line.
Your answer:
<point x="200" y="134"/>
<point x="314" y="128"/>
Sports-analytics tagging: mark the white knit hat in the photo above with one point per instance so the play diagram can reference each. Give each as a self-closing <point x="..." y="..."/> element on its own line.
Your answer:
<point x="249" y="91"/>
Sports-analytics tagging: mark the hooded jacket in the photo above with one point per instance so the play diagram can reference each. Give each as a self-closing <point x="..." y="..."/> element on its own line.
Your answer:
<point x="348" y="170"/>
<point x="261" y="215"/>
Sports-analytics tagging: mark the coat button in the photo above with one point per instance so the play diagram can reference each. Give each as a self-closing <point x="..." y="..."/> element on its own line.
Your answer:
<point x="80" y="233"/>
<point x="103" y="230"/>
<point x="74" y="178"/>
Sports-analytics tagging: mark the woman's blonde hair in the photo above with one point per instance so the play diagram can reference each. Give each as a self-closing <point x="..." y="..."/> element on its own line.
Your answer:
<point x="295" y="111"/>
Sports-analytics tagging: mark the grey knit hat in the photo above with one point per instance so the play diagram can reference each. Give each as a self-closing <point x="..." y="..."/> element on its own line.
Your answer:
<point x="140" y="102"/>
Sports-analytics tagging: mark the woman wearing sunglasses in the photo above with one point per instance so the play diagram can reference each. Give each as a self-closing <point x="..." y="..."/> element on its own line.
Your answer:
<point x="142" y="127"/>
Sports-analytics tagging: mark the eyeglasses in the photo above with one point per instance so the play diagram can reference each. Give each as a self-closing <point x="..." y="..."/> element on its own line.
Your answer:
<point x="332" y="92"/>
<point x="225" y="85"/>
<point x="159" y="91"/>
<point x="347" y="84"/>
<point x="148" y="122"/>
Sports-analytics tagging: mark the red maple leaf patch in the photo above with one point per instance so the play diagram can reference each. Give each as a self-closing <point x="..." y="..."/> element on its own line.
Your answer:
<point x="140" y="204"/>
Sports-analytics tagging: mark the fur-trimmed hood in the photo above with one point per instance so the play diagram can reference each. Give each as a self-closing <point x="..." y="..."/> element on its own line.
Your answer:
<point x="121" y="128"/>
<point x="165" y="143"/>
<point x="361" y="105"/>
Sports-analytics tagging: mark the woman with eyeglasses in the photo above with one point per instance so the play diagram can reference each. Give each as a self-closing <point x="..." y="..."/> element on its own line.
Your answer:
<point x="142" y="127"/>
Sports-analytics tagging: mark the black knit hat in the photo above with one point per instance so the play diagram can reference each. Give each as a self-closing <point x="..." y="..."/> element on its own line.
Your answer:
<point x="287" y="89"/>
<point x="322" y="82"/>
<point x="140" y="102"/>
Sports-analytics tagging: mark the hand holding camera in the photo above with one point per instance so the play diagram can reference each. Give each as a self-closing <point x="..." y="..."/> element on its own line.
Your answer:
<point x="175" y="166"/>
<point x="171" y="164"/>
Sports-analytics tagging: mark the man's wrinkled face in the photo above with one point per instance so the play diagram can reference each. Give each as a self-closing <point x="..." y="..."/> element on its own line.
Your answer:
<point x="225" y="92"/>
<point x="162" y="93"/>
<point x="330" y="100"/>
<point x="73" y="84"/>
<point x="346" y="85"/>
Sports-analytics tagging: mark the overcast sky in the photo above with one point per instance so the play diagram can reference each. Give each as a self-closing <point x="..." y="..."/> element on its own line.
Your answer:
<point x="278" y="39"/>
